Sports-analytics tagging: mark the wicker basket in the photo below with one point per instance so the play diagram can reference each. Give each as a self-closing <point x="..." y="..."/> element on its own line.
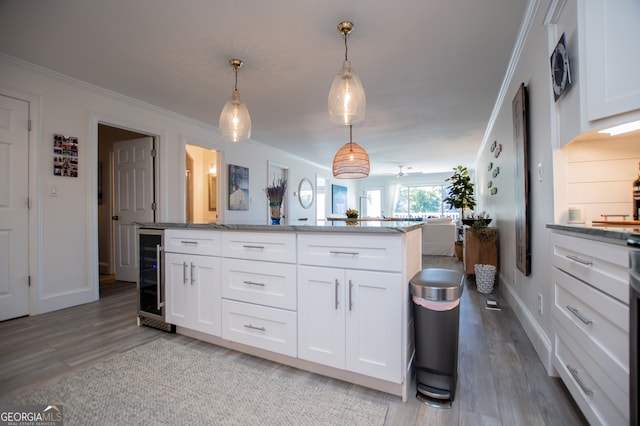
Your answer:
<point x="485" y="277"/>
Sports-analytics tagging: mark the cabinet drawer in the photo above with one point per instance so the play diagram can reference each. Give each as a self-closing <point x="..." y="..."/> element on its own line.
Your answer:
<point x="601" y="400"/>
<point x="259" y="326"/>
<point x="374" y="252"/>
<point x="598" y="322"/>
<point x="271" y="246"/>
<point x="601" y="265"/>
<point x="192" y="241"/>
<point x="264" y="283"/>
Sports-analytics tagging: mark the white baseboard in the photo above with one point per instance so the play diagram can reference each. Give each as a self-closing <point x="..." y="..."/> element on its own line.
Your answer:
<point x="536" y="334"/>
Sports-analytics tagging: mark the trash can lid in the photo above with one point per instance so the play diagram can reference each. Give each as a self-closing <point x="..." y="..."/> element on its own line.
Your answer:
<point x="437" y="284"/>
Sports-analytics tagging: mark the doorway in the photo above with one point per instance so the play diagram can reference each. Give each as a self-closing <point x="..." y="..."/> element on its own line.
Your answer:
<point x="126" y="194"/>
<point x="201" y="184"/>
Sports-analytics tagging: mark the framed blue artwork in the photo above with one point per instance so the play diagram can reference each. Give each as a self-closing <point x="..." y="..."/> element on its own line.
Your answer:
<point x="338" y="199"/>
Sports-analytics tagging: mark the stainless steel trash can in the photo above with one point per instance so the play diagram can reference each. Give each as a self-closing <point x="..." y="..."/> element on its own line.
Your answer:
<point x="436" y="310"/>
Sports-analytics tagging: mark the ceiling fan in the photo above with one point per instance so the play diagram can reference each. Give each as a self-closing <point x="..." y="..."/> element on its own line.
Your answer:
<point x="402" y="173"/>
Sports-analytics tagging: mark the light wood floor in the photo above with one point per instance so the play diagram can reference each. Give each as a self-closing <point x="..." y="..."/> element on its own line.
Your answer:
<point x="501" y="380"/>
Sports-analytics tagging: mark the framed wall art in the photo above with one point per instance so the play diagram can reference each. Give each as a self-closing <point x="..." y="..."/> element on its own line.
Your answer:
<point x="520" y="135"/>
<point x="238" y="187"/>
<point x="65" y="156"/>
<point x="338" y="199"/>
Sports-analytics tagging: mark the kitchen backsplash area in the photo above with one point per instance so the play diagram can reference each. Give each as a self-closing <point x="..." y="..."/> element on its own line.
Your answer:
<point x="600" y="176"/>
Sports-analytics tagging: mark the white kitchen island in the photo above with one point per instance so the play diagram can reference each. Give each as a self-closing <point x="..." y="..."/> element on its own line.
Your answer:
<point x="330" y="299"/>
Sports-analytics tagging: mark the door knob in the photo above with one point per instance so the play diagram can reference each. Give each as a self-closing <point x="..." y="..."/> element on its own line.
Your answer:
<point x="115" y="217"/>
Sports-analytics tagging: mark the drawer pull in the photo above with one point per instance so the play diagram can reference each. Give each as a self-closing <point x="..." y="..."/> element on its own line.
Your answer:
<point x="350" y="300"/>
<point x="253" y="247"/>
<point x="253" y="327"/>
<point x="337" y="284"/>
<point x="184" y="272"/>
<point x="195" y="243"/>
<point x="193" y="276"/>
<point x="578" y="380"/>
<point x="577" y="259"/>
<point x="254" y="283"/>
<point x="579" y="315"/>
<point x="352" y="253"/>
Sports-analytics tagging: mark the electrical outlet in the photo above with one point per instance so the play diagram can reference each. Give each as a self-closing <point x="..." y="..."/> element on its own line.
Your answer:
<point x="540" y="311"/>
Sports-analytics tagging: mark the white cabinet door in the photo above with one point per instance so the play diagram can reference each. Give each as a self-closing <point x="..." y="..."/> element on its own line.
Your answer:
<point x="611" y="32"/>
<point x="321" y="315"/>
<point x="193" y="292"/>
<point x="374" y="331"/>
<point x="176" y="288"/>
<point x="351" y="320"/>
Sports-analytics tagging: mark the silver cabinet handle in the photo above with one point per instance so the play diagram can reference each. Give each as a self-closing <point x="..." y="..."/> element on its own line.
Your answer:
<point x="350" y="289"/>
<point x="578" y="380"/>
<point x="253" y="327"/>
<point x="184" y="272"/>
<point x="253" y="247"/>
<point x="352" y="253"/>
<point x="337" y="284"/>
<point x="159" y="302"/>
<point x="254" y="283"/>
<point x="577" y="259"/>
<point x="195" y="243"/>
<point x="579" y="315"/>
<point x="193" y="276"/>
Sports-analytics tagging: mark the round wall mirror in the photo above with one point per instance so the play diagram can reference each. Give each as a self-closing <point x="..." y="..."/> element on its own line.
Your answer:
<point x="305" y="193"/>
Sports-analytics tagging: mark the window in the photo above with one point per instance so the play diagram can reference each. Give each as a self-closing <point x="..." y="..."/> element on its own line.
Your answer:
<point x="372" y="205"/>
<point x="422" y="201"/>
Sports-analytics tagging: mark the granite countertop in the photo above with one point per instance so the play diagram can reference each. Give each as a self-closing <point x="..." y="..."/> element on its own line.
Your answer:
<point x="364" y="227"/>
<point x="618" y="234"/>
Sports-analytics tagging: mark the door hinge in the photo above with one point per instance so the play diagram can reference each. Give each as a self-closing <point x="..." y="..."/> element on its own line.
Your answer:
<point x="153" y="153"/>
<point x="153" y="205"/>
<point x="29" y="125"/>
<point x="29" y="280"/>
<point x="29" y="203"/>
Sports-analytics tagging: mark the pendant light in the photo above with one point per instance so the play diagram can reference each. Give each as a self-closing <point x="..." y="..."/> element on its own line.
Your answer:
<point x="347" y="101"/>
<point x="235" y="122"/>
<point x="351" y="161"/>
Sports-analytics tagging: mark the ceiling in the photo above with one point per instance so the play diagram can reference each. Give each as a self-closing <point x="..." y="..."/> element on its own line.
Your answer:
<point x="431" y="70"/>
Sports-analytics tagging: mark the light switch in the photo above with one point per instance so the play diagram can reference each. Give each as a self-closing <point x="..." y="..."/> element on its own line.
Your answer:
<point x="53" y="191"/>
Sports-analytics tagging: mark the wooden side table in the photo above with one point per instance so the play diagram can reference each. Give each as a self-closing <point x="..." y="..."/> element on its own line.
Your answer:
<point x="478" y="252"/>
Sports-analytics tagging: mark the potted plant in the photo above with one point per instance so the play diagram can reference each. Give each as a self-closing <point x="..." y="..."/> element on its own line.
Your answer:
<point x="275" y="195"/>
<point x="460" y="196"/>
<point x="481" y="231"/>
<point x="460" y="191"/>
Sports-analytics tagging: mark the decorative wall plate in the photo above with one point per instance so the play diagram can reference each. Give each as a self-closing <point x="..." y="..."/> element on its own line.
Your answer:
<point x="493" y="145"/>
<point x="496" y="172"/>
<point x="490" y="167"/>
<point x="498" y="150"/>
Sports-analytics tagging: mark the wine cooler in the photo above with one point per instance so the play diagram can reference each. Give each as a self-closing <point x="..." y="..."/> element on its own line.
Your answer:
<point x="151" y="291"/>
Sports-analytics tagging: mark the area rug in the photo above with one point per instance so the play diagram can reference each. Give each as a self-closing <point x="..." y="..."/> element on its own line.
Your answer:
<point x="163" y="382"/>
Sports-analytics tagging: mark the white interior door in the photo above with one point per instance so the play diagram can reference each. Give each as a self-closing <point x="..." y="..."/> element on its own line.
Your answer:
<point x="133" y="200"/>
<point x="14" y="214"/>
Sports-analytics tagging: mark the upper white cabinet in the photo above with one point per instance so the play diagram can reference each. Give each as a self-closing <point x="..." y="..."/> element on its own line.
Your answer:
<point x="610" y="35"/>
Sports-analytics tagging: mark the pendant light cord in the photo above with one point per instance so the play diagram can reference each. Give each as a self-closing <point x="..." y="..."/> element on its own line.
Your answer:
<point x="350" y="138"/>
<point x="235" y="68"/>
<point x="345" y="46"/>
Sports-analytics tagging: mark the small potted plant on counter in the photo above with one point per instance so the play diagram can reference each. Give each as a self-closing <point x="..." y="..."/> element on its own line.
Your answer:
<point x="275" y="195"/>
<point x="352" y="215"/>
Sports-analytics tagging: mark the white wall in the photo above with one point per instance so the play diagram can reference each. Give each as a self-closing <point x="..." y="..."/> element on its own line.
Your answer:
<point x="532" y="68"/>
<point x="63" y="234"/>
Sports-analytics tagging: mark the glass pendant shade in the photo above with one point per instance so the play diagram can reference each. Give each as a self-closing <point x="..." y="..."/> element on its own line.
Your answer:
<point x="347" y="101"/>
<point x="235" y="122"/>
<point x="351" y="161"/>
